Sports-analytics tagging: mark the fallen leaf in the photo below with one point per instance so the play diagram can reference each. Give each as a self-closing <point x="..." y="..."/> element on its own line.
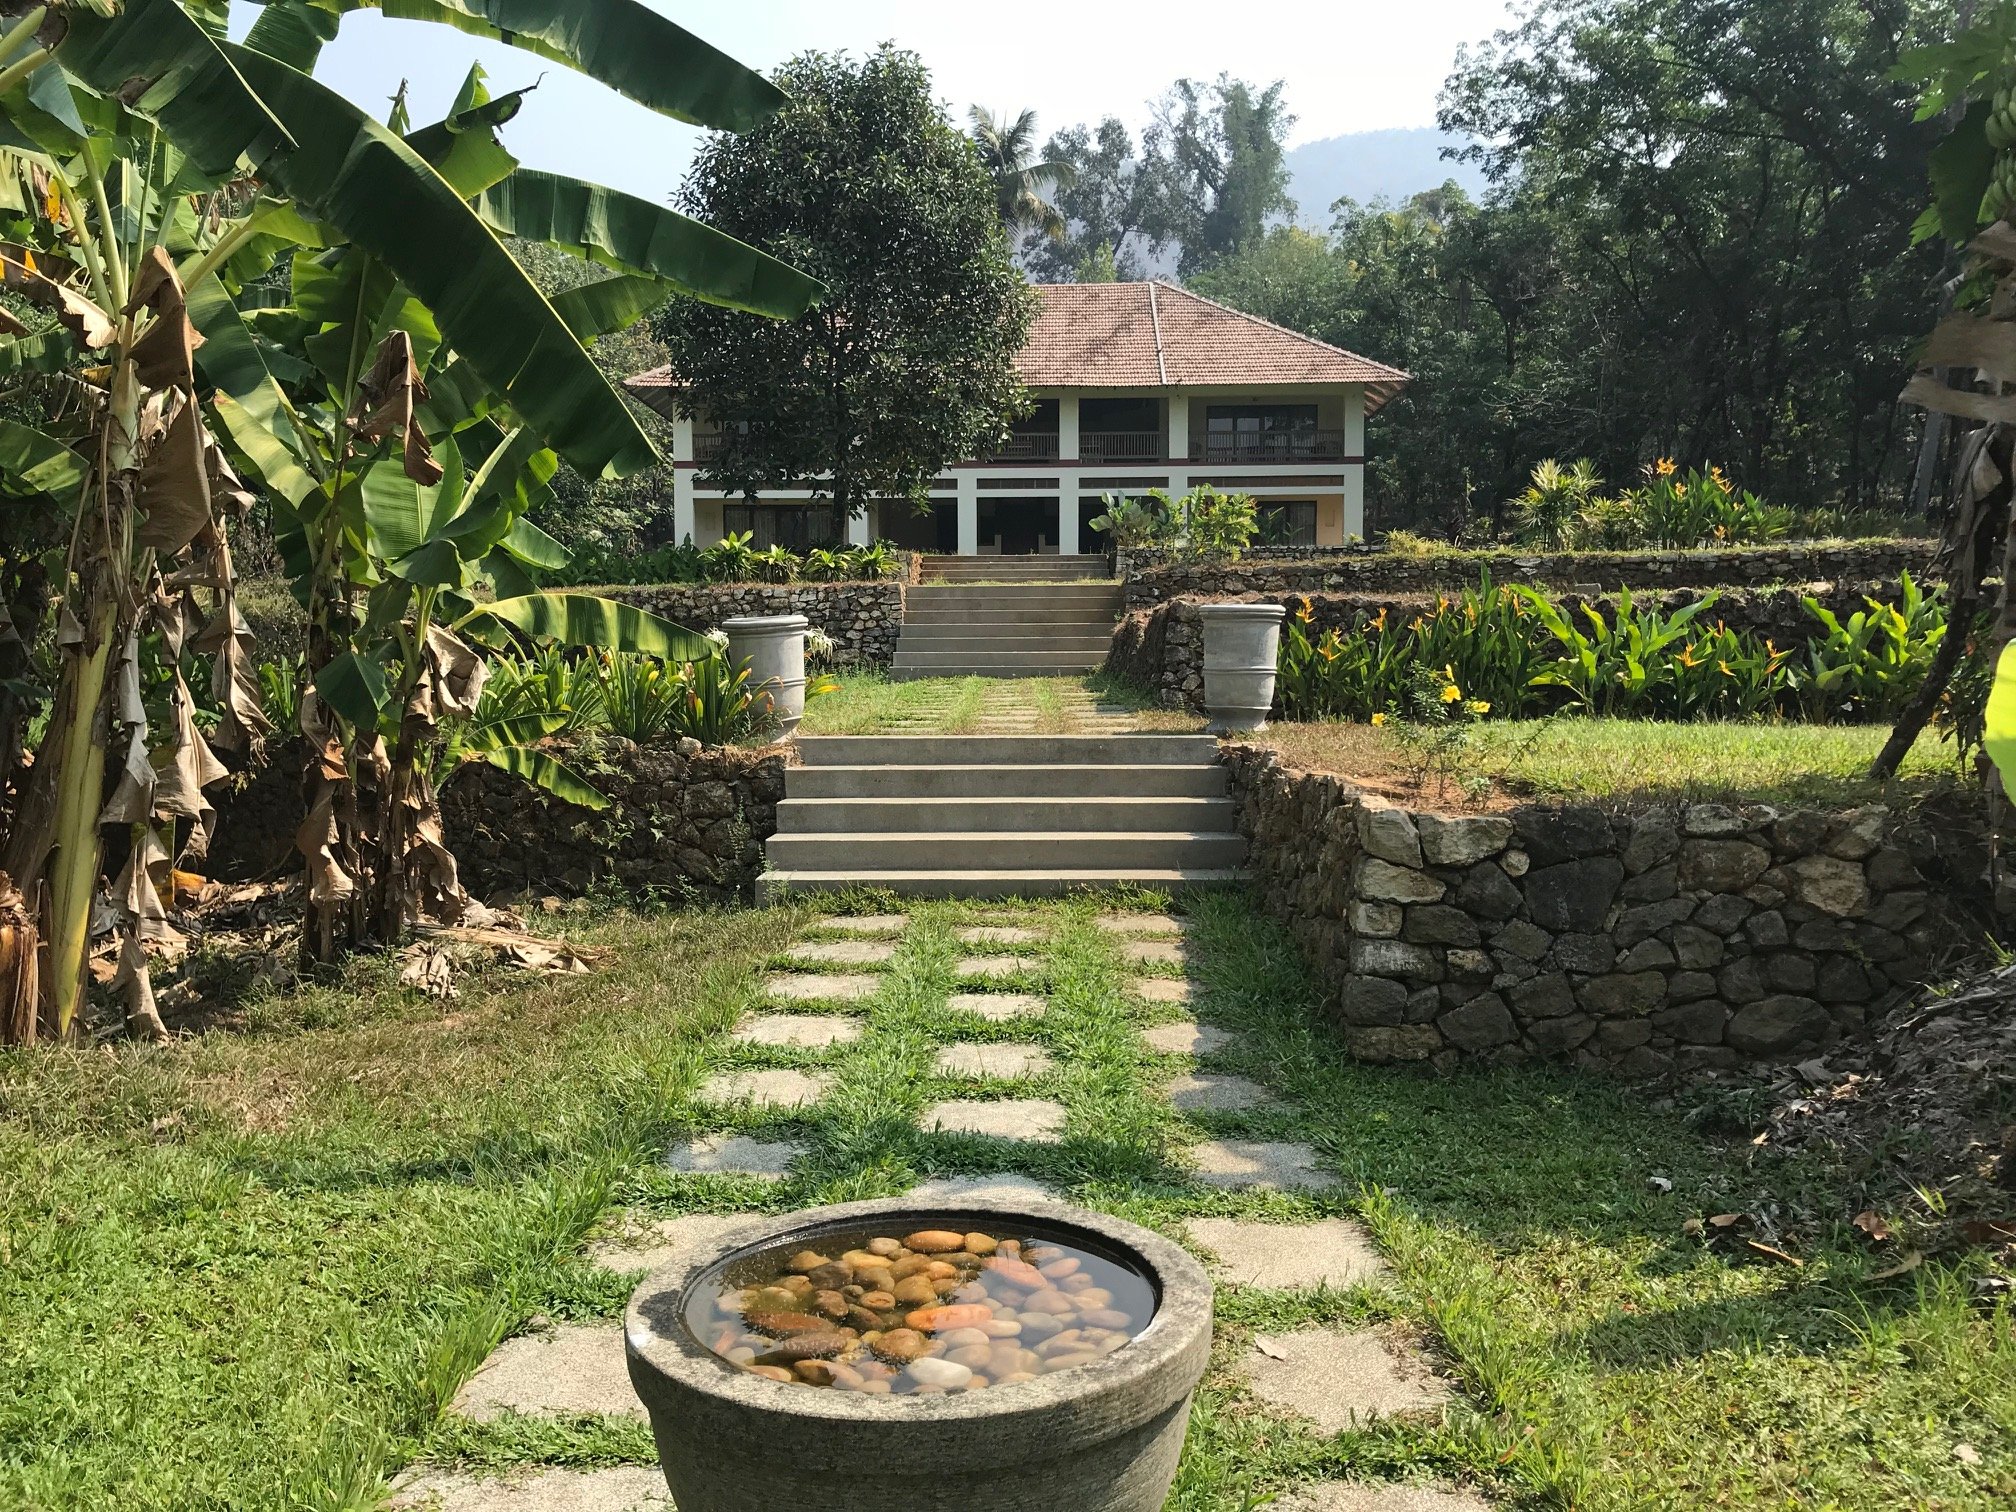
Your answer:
<point x="1967" y="1454"/>
<point x="1772" y="1252"/>
<point x="1722" y="1222"/>
<point x="1872" y="1224"/>
<point x="1269" y="1348"/>
<point x="1660" y="1183"/>
<point x="1909" y="1261"/>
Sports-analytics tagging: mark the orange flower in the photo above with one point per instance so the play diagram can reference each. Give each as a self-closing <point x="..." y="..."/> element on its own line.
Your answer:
<point x="1665" y="467"/>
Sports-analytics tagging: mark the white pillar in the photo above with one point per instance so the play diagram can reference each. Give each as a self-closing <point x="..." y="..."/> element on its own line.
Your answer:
<point x="861" y="527"/>
<point x="969" y="514"/>
<point x="1067" y="428"/>
<point x="1067" y="520"/>
<point x="682" y="479"/>
<point x="1179" y="426"/>
<point x="1354" y="472"/>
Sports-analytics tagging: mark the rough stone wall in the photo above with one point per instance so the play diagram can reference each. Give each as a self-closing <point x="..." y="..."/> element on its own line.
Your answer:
<point x="1150" y="578"/>
<point x="684" y="822"/>
<point x="1675" y="939"/>
<point x="864" y="619"/>
<point x="1162" y="647"/>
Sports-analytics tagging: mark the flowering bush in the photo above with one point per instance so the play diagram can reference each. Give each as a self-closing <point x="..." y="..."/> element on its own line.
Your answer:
<point x="1565" y="508"/>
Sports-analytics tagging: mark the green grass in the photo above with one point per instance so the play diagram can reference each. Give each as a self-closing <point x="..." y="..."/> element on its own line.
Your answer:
<point x="868" y="703"/>
<point x="1620" y="759"/>
<point x="248" y="1272"/>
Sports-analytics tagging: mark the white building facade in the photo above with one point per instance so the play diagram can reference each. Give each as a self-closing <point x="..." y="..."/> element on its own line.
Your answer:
<point x="1138" y="386"/>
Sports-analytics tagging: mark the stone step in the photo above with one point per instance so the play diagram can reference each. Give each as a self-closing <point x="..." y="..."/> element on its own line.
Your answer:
<point x="964" y="635"/>
<point x="1007" y="750"/>
<point x="1035" y="621"/>
<point x="1015" y="661"/>
<point x="1034" y="780"/>
<point x="955" y="593"/>
<point x="998" y="669"/>
<point x="864" y="852"/>
<point x="1061" y="815"/>
<point x="1033" y="883"/>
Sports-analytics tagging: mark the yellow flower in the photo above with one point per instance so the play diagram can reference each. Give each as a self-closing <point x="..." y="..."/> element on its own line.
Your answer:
<point x="1666" y="467"/>
<point x="1306" y="613"/>
<point x="1379" y="619"/>
<point x="1452" y="694"/>
<point x="1479" y="707"/>
<point x="1687" y="658"/>
<point x="1378" y="719"/>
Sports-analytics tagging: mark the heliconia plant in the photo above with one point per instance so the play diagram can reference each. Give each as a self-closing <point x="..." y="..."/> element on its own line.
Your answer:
<point x="241" y="275"/>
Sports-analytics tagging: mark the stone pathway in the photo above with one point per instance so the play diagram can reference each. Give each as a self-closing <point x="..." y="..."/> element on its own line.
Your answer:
<point x="1000" y="1036"/>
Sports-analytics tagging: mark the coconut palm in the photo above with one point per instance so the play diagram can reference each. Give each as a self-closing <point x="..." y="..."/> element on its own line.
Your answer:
<point x="1021" y="185"/>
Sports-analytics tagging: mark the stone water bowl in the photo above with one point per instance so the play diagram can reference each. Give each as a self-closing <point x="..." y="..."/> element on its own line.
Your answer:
<point x="1099" y="1437"/>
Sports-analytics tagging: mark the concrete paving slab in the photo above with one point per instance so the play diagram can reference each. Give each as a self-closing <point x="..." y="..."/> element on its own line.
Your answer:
<point x="1207" y="1093"/>
<point x="809" y="988"/>
<point x="997" y="1007"/>
<point x="1260" y="1163"/>
<point x="992" y="966"/>
<point x="1157" y="952"/>
<point x="1340" y="1378"/>
<point x="1329" y="1252"/>
<point x="804" y="1030"/>
<point x="766" y="1089"/>
<point x="1379" y="1496"/>
<point x="1007" y="1188"/>
<point x="1187" y="1038"/>
<point x="576" y="1367"/>
<point x="1033" y="1120"/>
<point x="734" y="1155"/>
<point x="1001" y="934"/>
<point x="842" y="952"/>
<point x="643" y="1242"/>
<point x="1143" y="925"/>
<point x="1162" y="989"/>
<point x="1010" y="1060"/>
<point x="864" y="924"/>
<point x="628" y="1488"/>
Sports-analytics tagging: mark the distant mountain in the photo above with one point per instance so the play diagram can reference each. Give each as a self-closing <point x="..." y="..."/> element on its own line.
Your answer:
<point x="1368" y="165"/>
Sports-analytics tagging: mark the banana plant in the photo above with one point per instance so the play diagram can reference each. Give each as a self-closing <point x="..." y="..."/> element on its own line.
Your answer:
<point x="174" y="170"/>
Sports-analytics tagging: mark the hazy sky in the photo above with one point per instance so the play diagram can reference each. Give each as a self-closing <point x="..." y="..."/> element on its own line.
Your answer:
<point x="1349" y="65"/>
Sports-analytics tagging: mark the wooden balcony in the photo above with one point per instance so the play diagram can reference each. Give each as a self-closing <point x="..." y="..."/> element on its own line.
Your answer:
<point x="1032" y="446"/>
<point x="708" y="445"/>
<point x="1120" y="446"/>
<point x="1268" y="446"/>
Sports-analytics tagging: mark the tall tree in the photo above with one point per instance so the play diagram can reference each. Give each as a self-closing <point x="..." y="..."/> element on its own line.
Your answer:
<point x="1115" y="208"/>
<point x="909" y="362"/>
<point x="1022" y="185"/>
<point x="1229" y="172"/>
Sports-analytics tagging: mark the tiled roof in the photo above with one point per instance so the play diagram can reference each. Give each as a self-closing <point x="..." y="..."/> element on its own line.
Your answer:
<point x="1155" y="335"/>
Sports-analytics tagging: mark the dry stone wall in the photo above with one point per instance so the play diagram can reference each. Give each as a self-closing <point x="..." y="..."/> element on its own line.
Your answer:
<point x="1675" y="939"/>
<point x="1152" y="578"/>
<point x="864" y="619"/>
<point x="1162" y="647"/>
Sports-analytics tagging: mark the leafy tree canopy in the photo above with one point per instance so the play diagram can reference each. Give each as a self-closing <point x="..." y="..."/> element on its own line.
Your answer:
<point x="910" y="361"/>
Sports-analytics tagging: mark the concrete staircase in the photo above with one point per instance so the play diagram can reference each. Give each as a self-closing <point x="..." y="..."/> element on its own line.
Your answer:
<point x="1023" y="629"/>
<point x="1003" y="815"/>
<point x="1014" y="569"/>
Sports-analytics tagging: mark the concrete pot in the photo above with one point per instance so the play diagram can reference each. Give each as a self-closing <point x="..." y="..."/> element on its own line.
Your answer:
<point x="774" y="647"/>
<point x="1104" y="1437"/>
<point x="1242" y="648"/>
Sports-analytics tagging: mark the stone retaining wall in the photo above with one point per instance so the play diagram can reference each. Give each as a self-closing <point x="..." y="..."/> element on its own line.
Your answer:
<point x="1676" y="939"/>
<point x="1162" y="647"/>
<point x="683" y="822"/>
<point x="1150" y="578"/>
<point x="864" y="619"/>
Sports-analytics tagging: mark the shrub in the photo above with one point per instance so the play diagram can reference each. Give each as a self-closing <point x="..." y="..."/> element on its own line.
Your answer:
<point x="1545" y="512"/>
<point x="1871" y="666"/>
<point x="729" y="560"/>
<point x="1217" y="527"/>
<point x="1133" y="523"/>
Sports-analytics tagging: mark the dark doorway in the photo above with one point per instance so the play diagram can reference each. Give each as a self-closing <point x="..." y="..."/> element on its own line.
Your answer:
<point x="933" y="528"/>
<point x="1017" y="527"/>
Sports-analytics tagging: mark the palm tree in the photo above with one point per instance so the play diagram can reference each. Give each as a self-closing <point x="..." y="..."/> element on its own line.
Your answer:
<point x="1020" y="185"/>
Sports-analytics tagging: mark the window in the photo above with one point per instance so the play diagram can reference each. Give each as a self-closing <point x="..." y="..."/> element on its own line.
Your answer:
<point x="1259" y="419"/>
<point x="1287" y="522"/>
<point x="800" y="527"/>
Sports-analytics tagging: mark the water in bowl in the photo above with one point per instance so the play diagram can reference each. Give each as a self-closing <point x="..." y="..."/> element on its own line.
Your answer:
<point x="920" y="1314"/>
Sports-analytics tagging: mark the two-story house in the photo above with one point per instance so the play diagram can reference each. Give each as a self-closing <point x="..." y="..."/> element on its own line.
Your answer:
<point x="1137" y="386"/>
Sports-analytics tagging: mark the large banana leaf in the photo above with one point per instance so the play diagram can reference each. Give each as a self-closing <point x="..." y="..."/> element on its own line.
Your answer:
<point x="610" y="304"/>
<point x="293" y="31"/>
<point x="635" y="236"/>
<point x="355" y="174"/>
<point x="559" y="779"/>
<point x="582" y="619"/>
<point x="250" y="403"/>
<point x="624" y="44"/>
<point x="157" y="60"/>
<point x="464" y="148"/>
<point x="34" y="463"/>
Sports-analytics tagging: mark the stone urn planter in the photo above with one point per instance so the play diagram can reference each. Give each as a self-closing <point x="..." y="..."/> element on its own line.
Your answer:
<point x="774" y="647"/>
<point x="1098" y="1437"/>
<point x="1242" y="648"/>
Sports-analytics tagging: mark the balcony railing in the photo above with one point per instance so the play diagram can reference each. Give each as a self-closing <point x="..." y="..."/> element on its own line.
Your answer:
<point x="708" y="445"/>
<point x="1268" y="446"/>
<point x="1035" y="446"/>
<point x="1120" y="446"/>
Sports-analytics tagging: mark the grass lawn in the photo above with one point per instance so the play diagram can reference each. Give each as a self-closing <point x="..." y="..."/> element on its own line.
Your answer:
<point x="1617" y="759"/>
<point x="870" y="703"/>
<point x="249" y="1271"/>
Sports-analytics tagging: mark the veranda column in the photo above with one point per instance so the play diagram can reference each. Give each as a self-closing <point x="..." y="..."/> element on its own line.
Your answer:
<point x="1354" y="471"/>
<point x="1067" y="428"/>
<point x="1067" y="516"/>
<point x="1178" y="406"/>
<point x="969" y="514"/>
<point x="861" y="527"/>
<point x="682" y="480"/>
